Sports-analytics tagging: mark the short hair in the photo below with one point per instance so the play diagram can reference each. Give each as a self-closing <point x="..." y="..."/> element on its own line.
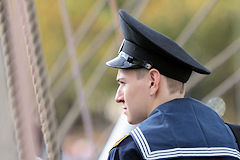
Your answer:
<point x="141" y="72"/>
<point x="175" y="85"/>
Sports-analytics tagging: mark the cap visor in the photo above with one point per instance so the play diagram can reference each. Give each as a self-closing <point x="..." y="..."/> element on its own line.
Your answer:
<point x="120" y="62"/>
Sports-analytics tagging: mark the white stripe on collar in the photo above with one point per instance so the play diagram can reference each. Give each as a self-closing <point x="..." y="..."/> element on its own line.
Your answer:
<point x="180" y="152"/>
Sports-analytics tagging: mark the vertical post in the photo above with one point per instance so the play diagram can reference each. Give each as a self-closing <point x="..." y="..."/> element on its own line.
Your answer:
<point x="7" y="145"/>
<point x="18" y="78"/>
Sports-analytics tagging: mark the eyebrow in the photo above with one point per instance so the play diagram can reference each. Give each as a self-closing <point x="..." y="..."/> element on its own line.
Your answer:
<point x="119" y="79"/>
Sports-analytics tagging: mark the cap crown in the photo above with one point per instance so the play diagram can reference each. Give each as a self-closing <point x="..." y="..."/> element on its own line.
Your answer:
<point x="148" y="45"/>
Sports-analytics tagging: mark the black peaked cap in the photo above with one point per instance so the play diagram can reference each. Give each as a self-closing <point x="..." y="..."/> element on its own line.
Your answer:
<point x="145" y="47"/>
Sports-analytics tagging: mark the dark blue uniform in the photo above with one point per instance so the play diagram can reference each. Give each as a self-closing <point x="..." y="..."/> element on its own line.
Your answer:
<point x="181" y="129"/>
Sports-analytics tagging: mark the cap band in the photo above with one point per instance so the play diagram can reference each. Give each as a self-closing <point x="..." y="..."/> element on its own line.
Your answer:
<point x="135" y="61"/>
<point x="164" y="64"/>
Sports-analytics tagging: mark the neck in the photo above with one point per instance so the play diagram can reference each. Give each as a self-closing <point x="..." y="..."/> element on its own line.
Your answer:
<point x="170" y="97"/>
<point x="163" y="98"/>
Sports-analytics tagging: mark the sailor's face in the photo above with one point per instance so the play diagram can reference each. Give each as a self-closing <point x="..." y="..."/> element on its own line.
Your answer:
<point x="133" y="94"/>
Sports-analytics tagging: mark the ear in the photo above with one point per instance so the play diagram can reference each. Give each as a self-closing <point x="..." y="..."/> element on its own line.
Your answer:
<point x="154" y="81"/>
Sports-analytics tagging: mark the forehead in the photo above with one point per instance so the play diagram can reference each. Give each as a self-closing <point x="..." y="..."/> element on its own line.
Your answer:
<point x="126" y="73"/>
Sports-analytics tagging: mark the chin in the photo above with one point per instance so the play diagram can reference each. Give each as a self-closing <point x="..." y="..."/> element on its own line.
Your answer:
<point x="133" y="122"/>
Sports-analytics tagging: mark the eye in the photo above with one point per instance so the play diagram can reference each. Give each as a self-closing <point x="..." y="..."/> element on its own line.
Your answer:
<point x="121" y="82"/>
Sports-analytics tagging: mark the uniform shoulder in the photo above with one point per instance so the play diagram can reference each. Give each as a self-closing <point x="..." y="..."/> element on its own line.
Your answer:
<point x="125" y="149"/>
<point x="119" y="141"/>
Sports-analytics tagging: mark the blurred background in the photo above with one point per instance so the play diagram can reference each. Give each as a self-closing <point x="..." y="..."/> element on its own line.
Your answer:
<point x="78" y="37"/>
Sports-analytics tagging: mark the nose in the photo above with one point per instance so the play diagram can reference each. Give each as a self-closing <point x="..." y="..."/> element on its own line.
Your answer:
<point x="119" y="95"/>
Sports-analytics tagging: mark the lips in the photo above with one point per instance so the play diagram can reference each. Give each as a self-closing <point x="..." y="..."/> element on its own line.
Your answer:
<point x="124" y="109"/>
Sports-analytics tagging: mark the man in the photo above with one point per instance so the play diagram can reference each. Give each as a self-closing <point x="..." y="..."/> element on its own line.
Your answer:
<point x="152" y="70"/>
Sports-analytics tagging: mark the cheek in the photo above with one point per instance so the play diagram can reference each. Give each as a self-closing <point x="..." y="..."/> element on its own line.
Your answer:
<point x="130" y="92"/>
<point x="136" y="93"/>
